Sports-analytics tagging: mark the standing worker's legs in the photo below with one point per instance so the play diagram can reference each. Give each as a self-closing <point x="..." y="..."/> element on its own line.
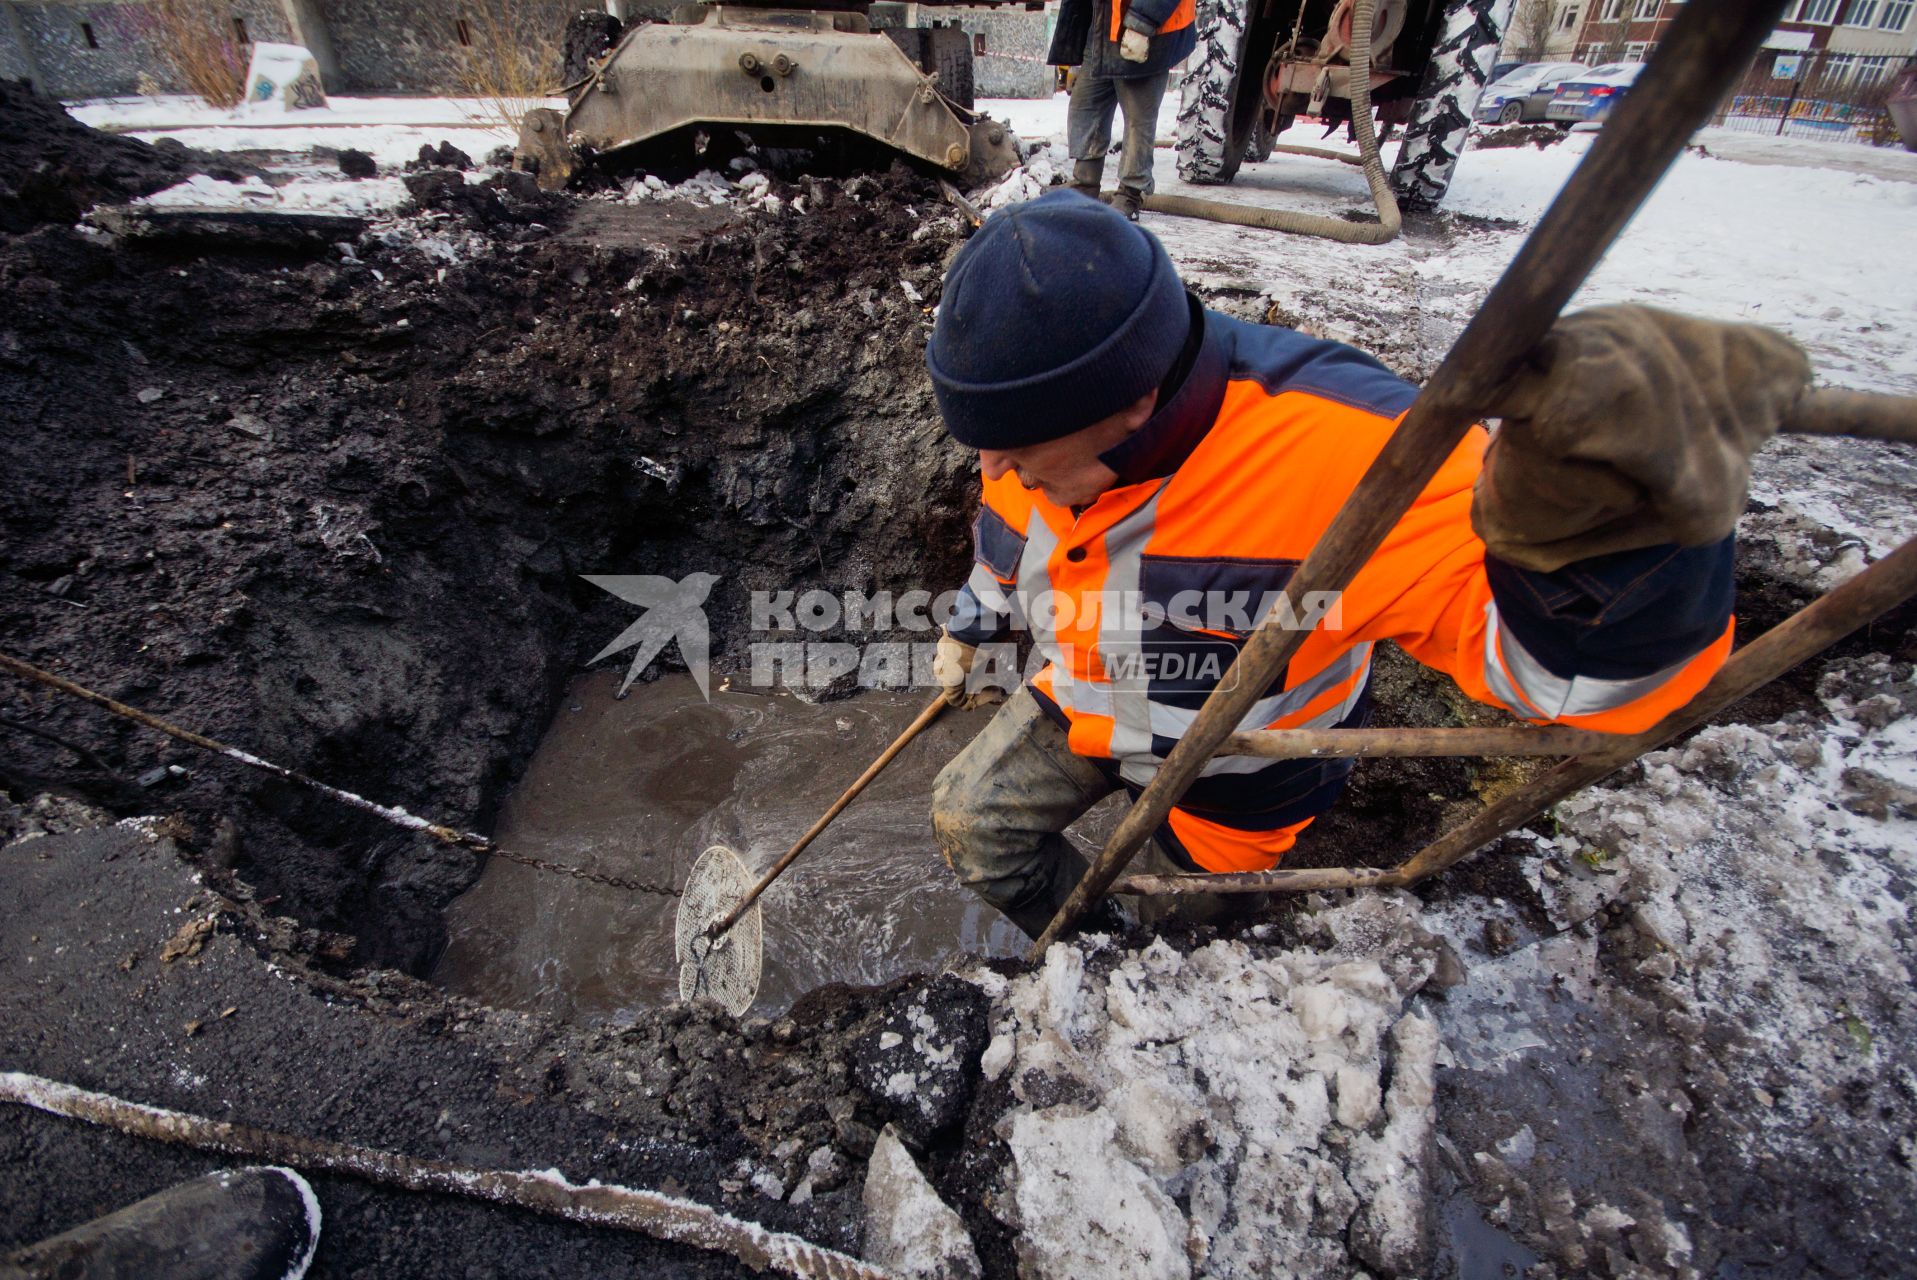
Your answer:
<point x="1088" y="126"/>
<point x="1139" y="99"/>
<point x="1000" y="807"/>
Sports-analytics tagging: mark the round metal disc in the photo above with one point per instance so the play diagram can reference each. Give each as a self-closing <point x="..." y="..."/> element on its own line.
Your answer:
<point x="726" y="968"/>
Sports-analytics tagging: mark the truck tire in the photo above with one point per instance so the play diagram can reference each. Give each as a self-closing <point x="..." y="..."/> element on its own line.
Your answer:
<point x="912" y="42"/>
<point x="1211" y="139"/>
<point x="1440" y="121"/>
<point x="948" y="52"/>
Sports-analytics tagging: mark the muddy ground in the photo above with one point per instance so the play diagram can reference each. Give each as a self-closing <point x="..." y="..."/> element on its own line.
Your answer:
<point x="333" y="507"/>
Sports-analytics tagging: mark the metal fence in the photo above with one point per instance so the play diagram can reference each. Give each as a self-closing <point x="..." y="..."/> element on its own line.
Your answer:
<point x="1817" y="94"/>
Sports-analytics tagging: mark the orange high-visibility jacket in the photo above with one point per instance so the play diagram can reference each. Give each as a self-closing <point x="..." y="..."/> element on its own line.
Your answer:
<point x="1138" y="602"/>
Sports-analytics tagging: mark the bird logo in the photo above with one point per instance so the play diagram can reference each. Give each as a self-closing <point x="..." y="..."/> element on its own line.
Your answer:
<point x="674" y="610"/>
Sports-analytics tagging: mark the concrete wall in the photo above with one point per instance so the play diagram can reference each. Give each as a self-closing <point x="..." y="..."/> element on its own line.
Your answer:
<point x="1016" y="40"/>
<point x="16" y="58"/>
<point x="86" y="50"/>
<point x="91" y="50"/>
<point x="411" y="46"/>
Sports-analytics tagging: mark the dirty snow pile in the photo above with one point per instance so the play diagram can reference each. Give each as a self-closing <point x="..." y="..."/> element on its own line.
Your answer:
<point x="1046" y="164"/>
<point x="1769" y="868"/>
<point x="709" y="187"/>
<point x="1813" y="535"/>
<point x="1239" y="1111"/>
<point x="360" y="198"/>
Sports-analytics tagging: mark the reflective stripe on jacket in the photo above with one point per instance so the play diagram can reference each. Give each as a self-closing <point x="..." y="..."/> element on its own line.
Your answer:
<point x="1139" y="602"/>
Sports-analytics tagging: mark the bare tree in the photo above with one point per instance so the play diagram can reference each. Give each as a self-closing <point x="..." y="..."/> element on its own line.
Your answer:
<point x="509" y="57"/>
<point x="1611" y="45"/>
<point x="201" y="41"/>
<point x="1531" y="29"/>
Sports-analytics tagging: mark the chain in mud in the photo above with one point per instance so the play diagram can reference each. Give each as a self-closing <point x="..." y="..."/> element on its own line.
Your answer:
<point x="580" y="873"/>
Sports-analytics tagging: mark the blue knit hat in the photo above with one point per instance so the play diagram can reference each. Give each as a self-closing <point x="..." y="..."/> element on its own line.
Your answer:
<point x="1058" y="313"/>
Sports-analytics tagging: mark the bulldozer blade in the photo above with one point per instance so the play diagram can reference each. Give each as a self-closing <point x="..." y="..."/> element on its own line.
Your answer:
<point x="741" y="66"/>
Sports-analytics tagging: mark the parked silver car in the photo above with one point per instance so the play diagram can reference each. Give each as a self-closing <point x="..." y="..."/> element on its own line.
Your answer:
<point x="1523" y="94"/>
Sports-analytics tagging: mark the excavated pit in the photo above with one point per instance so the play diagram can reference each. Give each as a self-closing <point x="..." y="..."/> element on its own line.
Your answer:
<point x="335" y="510"/>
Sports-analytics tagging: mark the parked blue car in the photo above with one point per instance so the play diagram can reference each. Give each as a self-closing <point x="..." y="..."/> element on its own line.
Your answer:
<point x="1523" y="94"/>
<point x="1592" y="95"/>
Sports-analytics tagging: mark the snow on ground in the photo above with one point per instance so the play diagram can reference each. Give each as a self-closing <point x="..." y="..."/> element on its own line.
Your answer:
<point x="391" y="130"/>
<point x="1814" y="239"/>
<point x="1726" y="984"/>
<point x="363" y="197"/>
<point x="1239" y="1111"/>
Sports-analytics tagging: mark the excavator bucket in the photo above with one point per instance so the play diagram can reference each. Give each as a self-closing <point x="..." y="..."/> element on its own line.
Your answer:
<point x="728" y="65"/>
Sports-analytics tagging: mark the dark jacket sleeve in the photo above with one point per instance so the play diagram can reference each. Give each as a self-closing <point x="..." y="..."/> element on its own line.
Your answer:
<point x="1624" y="616"/>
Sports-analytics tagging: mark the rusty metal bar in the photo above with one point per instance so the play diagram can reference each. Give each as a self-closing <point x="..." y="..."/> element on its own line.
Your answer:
<point x="1858" y="602"/>
<point x="1833" y="411"/>
<point x="1869" y="595"/>
<point x="1707" y="48"/>
<point x="1283" y="880"/>
<point x="1307" y="744"/>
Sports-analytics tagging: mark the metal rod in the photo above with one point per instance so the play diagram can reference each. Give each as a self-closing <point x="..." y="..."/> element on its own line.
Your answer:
<point x="1867" y="596"/>
<point x="1283" y="880"/>
<point x="397" y="816"/>
<point x="653" y="1213"/>
<point x="1833" y="411"/>
<point x="391" y="813"/>
<point x="925" y="717"/>
<point x="1708" y="47"/>
<point x="1304" y="744"/>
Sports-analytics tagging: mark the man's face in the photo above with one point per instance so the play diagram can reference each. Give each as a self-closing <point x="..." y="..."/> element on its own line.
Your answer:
<point x="1067" y="470"/>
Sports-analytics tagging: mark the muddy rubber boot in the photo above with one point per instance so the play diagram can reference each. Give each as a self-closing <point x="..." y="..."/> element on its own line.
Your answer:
<point x="1127" y="200"/>
<point x="1087" y="189"/>
<point x="1107" y="915"/>
<point x="238" y="1224"/>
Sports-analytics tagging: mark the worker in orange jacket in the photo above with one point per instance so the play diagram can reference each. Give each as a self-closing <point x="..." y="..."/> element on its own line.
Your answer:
<point x="1154" y="472"/>
<point x="1124" y="51"/>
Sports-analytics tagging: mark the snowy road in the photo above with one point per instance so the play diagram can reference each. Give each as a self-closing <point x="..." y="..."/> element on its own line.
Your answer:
<point x="1816" y="239"/>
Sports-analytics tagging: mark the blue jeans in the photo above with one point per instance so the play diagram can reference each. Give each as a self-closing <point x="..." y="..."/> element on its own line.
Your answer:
<point x="1088" y="126"/>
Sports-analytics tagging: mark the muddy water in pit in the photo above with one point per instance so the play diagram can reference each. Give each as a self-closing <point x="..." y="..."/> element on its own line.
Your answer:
<point x="639" y="787"/>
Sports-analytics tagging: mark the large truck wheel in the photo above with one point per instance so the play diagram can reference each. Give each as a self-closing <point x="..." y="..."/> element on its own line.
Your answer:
<point x="1440" y="121"/>
<point x="948" y="52"/>
<point x="1211" y="137"/>
<point x="945" y="54"/>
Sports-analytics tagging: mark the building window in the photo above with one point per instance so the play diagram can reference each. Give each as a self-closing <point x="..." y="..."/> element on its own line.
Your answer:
<point x="1860" y="13"/>
<point x="1634" y="51"/>
<point x="463" y="32"/>
<point x="1871" y="71"/>
<point x="1836" y="69"/>
<point x="1612" y="11"/>
<point x="1896" y="15"/>
<point x="1819" y="12"/>
<point x="1568" y="18"/>
<point x="1646" y="8"/>
<point x="978" y="44"/>
<point x="86" y="34"/>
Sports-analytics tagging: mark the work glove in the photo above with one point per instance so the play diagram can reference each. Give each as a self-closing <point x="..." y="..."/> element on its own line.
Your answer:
<point x="1134" y="46"/>
<point x="1630" y="427"/>
<point x="951" y="666"/>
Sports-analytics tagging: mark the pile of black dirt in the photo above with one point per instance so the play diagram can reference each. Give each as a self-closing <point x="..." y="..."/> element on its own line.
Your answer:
<point x="53" y="168"/>
<point x="335" y="510"/>
<point x="1519" y="135"/>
